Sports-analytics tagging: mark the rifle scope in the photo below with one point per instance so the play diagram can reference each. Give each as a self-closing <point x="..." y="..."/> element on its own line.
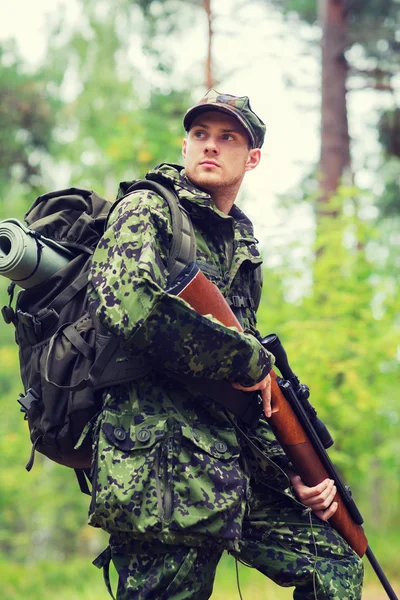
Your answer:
<point x="273" y="344"/>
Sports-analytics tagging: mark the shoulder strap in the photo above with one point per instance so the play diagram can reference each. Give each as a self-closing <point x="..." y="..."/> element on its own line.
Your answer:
<point x="257" y="287"/>
<point x="183" y="249"/>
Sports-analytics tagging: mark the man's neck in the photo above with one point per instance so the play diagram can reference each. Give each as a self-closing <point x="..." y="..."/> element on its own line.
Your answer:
<point x="224" y="198"/>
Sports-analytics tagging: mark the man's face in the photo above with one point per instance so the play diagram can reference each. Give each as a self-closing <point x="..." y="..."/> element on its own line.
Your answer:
<point x="216" y="151"/>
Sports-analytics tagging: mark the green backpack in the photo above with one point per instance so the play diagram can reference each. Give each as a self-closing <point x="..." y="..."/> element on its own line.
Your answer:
<point x="67" y="357"/>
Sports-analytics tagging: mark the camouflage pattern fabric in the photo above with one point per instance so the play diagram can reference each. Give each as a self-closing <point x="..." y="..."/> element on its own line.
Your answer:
<point x="160" y="571"/>
<point x="294" y="548"/>
<point x="168" y="460"/>
<point x="279" y="539"/>
<point x="169" y="467"/>
<point x="236" y="106"/>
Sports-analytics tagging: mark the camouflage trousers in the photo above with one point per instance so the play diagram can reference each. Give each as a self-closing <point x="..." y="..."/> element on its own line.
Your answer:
<point x="280" y="539"/>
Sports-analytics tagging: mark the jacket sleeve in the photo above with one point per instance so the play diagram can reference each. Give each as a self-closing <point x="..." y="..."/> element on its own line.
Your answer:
<point x="128" y="277"/>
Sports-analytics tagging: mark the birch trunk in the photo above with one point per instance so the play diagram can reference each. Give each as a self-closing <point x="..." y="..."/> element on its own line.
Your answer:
<point x="209" y="81"/>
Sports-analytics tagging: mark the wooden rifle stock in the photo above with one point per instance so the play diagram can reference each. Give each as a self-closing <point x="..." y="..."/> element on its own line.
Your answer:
<point x="308" y="465"/>
<point x="205" y="298"/>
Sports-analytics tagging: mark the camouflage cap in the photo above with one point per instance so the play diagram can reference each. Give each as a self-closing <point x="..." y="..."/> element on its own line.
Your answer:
<point x="237" y="106"/>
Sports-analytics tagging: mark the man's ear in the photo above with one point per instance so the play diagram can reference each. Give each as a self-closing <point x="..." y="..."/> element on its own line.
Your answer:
<point x="184" y="144"/>
<point x="253" y="159"/>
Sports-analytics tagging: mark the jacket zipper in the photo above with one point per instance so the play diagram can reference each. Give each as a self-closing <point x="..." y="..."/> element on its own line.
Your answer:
<point x="162" y="472"/>
<point x="94" y="476"/>
<point x="167" y="479"/>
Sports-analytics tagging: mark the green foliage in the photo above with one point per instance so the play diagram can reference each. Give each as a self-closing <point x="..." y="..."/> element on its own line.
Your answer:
<point x="342" y="339"/>
<point x="27" y="117"/>
<point x="43" y="513"/>
<point x="377" y="11"/>
<point x="306" y="9"/>
<point x="389" y="200"/>
<point x="115" y="125"/>
<point x="78" y="580"/>
<point x="104" y="120"/>
<point x="163" y="19"/>
<point x="389" y="131"/>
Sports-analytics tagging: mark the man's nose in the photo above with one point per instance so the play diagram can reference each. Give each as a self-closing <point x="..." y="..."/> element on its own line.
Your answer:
<point x="211" y="146"/>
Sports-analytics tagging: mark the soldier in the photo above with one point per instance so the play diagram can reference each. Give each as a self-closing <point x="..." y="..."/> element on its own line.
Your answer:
<point x="174" y="482"/>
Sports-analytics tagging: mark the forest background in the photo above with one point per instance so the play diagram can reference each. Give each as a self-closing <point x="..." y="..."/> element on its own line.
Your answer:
<point x="103" y="102"/>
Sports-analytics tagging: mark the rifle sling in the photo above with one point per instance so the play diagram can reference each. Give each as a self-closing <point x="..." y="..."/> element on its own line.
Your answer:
<point x="245" y="405"/>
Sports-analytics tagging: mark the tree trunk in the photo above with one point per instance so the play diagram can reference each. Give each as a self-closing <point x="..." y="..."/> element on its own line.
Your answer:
<point x="335" y="141"/>
<point x="209" y="66"/>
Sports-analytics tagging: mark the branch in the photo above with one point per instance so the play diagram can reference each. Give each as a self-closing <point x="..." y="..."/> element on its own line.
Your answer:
<point x="375" y="85"/>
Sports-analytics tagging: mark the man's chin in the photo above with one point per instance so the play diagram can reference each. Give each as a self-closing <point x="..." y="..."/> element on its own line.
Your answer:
<point x="207" y="181"/>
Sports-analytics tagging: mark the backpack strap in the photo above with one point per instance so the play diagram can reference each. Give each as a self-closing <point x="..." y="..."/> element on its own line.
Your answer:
<point x="257" y="287"/>
<point x="183" y="248"/>
<point x="84" y="480"/>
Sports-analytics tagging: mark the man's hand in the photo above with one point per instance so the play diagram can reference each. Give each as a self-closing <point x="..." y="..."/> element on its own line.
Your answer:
<point x="264" y="387"/>
<point x="319" y="498"/>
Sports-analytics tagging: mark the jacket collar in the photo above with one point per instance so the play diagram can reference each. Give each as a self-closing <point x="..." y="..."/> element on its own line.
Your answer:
<point x="186" y="190"/>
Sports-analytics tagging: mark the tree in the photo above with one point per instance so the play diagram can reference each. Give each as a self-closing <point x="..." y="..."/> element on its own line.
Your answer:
<point x="335" y="139"/>
<point x="371" y="28"/>
<point x="209" y="80"/>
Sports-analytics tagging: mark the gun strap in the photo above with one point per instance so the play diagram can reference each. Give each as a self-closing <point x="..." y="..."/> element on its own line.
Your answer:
<point x="245" y="405"/>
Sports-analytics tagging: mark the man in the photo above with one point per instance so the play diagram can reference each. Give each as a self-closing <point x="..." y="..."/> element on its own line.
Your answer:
<point x="175" y="483"/>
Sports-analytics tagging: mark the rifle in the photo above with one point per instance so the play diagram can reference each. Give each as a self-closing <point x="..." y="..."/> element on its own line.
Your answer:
<point x="303" y="437"/>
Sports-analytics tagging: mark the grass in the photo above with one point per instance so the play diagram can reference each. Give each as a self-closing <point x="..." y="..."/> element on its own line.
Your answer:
<point x="79" y="580"/>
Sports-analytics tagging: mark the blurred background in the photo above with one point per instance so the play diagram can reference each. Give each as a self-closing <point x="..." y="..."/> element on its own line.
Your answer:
<point x="92" y="93"/>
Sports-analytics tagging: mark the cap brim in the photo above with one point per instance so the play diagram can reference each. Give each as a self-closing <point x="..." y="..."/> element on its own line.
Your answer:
<point x="192" y="113"/>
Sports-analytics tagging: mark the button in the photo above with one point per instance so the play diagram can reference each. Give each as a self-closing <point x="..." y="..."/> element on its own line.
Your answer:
<point x="120" y="434"/>
<point x="221" y="447"/>
<point x="143" y="435"/>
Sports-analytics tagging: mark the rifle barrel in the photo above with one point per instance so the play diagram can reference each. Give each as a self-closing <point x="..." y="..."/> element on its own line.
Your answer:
<point x="380" y="574"/>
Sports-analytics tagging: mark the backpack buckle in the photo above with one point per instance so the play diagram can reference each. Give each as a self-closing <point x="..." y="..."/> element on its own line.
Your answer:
<point x="45" y="318"/>
<point x="239" y="301"/>
<point x="27" y="400"/>
<point x="8" y="314"/>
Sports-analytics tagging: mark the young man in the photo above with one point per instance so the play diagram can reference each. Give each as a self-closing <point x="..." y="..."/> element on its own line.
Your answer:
<point x="175" y="483"/>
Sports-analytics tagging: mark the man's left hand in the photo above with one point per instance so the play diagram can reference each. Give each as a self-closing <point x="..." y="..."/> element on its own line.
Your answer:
<point x="264" y="387"/>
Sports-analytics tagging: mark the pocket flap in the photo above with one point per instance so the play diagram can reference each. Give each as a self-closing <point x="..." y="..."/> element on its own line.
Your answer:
<point x="220" y="443"/>
<point x="124" y="434"/>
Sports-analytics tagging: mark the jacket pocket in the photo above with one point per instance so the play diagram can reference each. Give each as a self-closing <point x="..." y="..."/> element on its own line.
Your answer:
<point x="209" y="483"/>
<point x="130" y="480"/>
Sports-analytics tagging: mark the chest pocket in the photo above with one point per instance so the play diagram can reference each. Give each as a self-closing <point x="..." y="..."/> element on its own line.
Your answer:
<point x="244" y="295"/>
<point x="214" y="273"/>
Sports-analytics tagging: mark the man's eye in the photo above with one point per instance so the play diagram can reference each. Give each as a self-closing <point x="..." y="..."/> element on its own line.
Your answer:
<point x="228" y="137"/>
<point x="199" y="134"/>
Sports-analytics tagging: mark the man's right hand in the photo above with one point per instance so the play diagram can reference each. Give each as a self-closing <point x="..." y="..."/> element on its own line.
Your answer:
<point x="264" y="387"/>
<point x="319" y="498"/>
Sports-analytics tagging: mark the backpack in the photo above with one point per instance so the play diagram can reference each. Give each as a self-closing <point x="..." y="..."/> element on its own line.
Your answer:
<point x="66" y="356"/>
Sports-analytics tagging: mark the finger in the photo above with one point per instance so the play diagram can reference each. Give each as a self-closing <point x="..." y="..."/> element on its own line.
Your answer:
<point x="326" y="496"/>
<point x="261" y="385"/>
<point x="295" y="479"/>
<point x="237" y="386"/>
<point x="328" y="513"/>
<point x="318" y="492"/>
<point x="321" y="503"/>
<point x="266" y="399"/>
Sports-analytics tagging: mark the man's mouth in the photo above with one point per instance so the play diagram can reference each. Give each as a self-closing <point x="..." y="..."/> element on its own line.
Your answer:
<point x="209" y="163"/>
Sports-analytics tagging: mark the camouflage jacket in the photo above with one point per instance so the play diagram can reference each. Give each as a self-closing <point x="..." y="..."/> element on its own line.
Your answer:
<point x="168" y="462"/>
